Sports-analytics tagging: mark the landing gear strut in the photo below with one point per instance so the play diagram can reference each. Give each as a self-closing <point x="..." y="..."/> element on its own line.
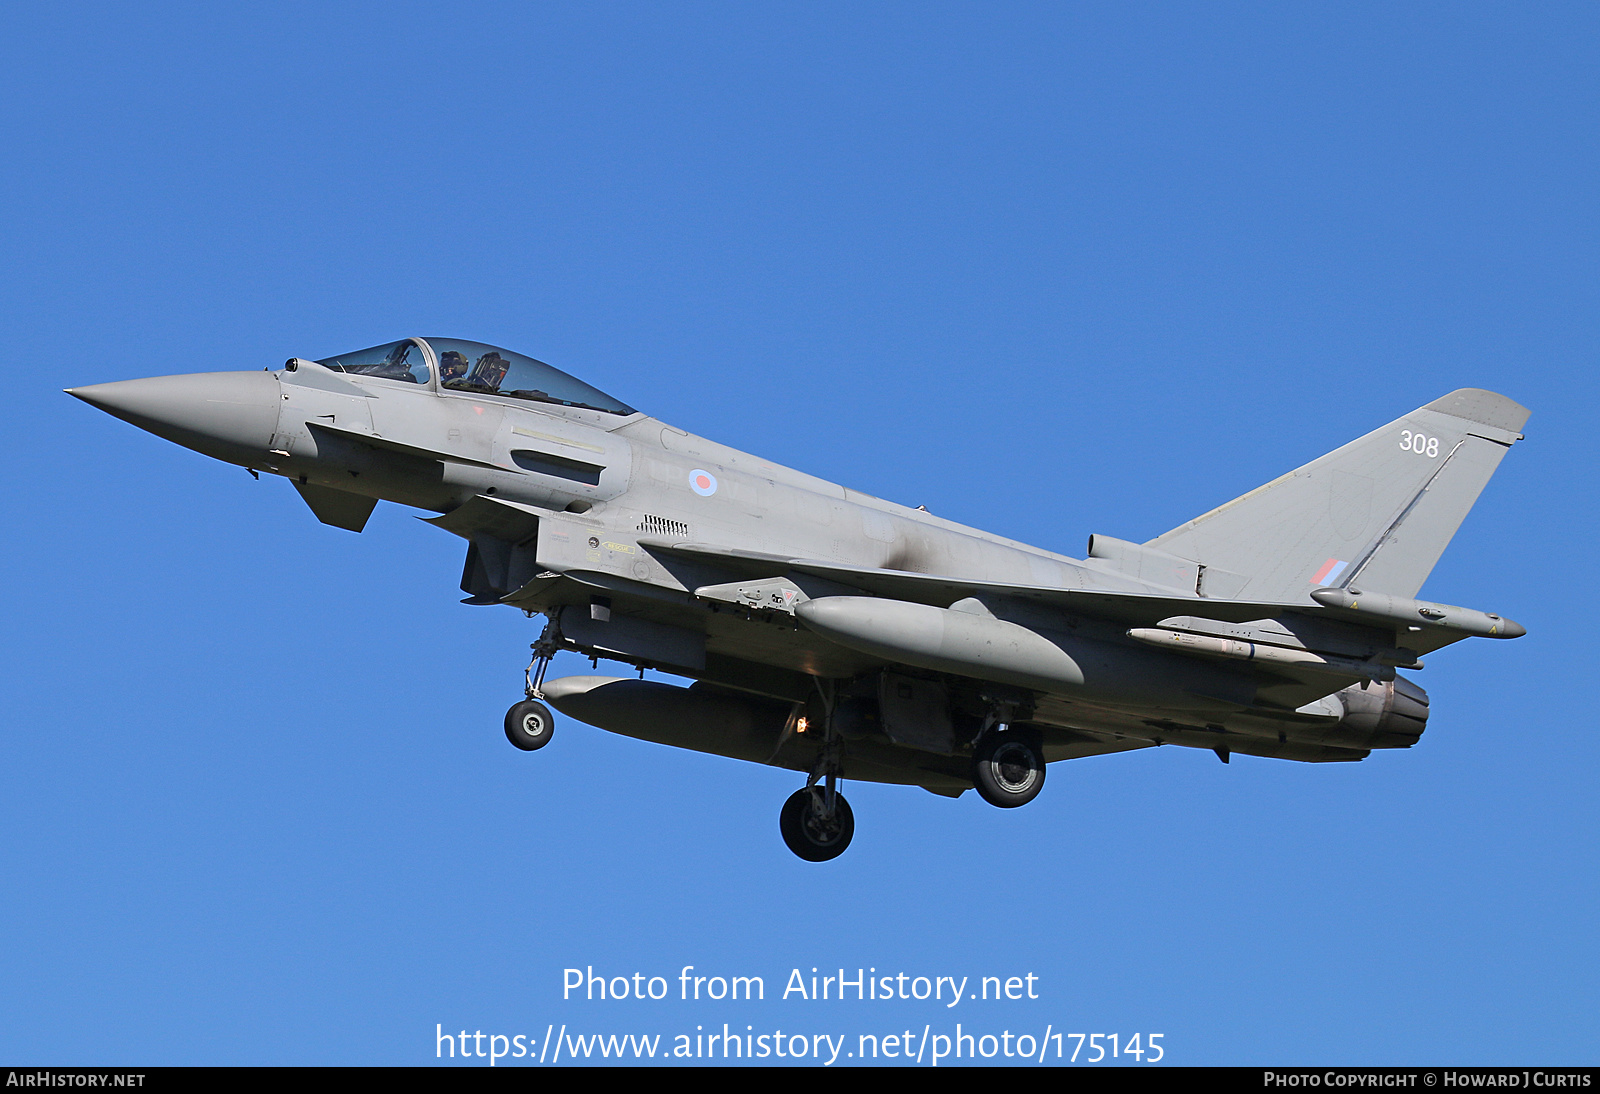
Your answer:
<point x="816" y="821"/>
<point x="543" y="650"/>
<point x="529" y="724"/>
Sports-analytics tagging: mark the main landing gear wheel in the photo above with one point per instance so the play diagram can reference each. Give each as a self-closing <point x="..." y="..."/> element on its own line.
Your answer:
<point x="1008" y="770"/>
<point x="530" y="725"/>
<point x="808" y="832"/>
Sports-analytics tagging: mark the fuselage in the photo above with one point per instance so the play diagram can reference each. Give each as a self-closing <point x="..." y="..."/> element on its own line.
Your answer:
<point x="427" y="446"/>
<point x="632" y="475"/>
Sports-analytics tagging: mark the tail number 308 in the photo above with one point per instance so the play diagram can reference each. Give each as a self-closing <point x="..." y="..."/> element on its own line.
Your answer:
<point x="1421" y="445"/>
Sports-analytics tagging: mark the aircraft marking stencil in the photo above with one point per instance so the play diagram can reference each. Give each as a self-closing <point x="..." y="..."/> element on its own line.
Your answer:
<point x="838" y="635"/>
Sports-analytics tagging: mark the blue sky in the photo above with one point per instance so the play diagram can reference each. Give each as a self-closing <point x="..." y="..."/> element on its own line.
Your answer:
<point x="1049" y="270"/>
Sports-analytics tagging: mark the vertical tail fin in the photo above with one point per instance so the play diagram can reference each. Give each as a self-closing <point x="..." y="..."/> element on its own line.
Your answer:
<point x="1378" y="512"/>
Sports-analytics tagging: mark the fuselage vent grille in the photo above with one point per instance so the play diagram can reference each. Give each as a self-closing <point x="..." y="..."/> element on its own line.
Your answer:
<point x="661" y="526"/>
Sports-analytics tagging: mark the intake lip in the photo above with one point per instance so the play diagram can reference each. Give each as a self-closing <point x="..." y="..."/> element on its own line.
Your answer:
<point x="230" y="416"/>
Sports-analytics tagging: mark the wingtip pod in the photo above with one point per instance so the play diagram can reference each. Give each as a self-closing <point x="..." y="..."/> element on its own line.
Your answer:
<point x="1419" y="613"/>
<point x="1489" y="408"/>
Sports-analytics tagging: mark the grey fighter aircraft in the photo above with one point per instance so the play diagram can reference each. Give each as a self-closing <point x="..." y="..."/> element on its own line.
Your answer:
<point x="837" y="635"/>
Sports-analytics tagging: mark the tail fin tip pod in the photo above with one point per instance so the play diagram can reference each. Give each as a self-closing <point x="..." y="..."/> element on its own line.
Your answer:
<point x="1484" y="408"/>
<point x="1374" y="514"/>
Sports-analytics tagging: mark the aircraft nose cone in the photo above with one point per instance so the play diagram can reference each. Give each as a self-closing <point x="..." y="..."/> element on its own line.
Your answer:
<point x="1510" y="628"/>
<point x="228" y="415"/>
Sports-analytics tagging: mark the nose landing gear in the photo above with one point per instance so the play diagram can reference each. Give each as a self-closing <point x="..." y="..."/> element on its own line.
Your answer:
<point x="529" y="724"/>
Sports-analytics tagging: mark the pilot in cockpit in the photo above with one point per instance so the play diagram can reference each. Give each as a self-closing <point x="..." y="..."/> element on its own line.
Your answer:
<point x="453" y="365"/>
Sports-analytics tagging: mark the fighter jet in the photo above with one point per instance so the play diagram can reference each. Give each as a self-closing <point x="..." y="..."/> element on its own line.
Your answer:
<point x="841" y="636"/>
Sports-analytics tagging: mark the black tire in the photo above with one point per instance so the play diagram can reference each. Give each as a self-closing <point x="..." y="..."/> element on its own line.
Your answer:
<point x="530" y="725"/>
<point x="1008" y="770"/>
<point x="808" y="834"/>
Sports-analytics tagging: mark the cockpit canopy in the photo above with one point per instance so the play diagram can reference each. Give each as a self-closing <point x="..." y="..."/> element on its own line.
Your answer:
<point x="474" y="368"/>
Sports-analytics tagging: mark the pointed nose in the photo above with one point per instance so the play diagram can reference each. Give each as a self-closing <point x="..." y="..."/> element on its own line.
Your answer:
<point x="227" y="415"/>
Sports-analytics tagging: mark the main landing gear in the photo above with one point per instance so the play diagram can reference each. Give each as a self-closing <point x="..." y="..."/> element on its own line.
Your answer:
<point x="811" y="830"/>
<point x="816" y="821"/>
<point x="529" y="724"/>
<point x="1008" y="768"/>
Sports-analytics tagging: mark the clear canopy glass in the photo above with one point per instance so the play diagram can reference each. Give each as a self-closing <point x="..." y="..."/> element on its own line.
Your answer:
<point x="489" y="370"/>
<point x="402" y="361"/>
<point x="476" y="368"/>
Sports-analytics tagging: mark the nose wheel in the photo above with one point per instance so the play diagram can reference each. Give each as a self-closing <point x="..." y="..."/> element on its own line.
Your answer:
<point x="530" y="725"/>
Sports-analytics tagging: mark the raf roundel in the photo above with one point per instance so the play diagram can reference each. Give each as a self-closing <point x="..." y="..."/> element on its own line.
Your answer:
<point x="703" y="483"/>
